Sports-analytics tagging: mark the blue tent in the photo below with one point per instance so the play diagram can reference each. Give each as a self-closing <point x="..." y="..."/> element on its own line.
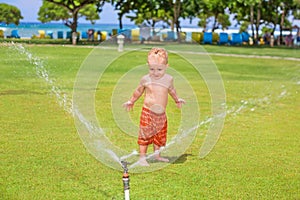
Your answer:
<point x="14" y="34"/>
<point x="69" y="35"/>
<point x="84" y="35"/>
<point x="50" y="34"/>
<point x="207" y="38"/>
<point x="236" y="38"/>
<point x="245" y="36"/>
<point x="170" y="36"/>
<point x="223" y="38"/>
<point x="60" y="35"/>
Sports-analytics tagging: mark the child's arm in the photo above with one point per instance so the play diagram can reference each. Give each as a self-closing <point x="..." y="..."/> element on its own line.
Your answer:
<point x="172" y="92"/>
<point x="136" y="95"/>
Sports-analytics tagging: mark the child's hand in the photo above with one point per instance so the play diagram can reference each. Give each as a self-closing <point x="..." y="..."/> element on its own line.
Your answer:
<point x="128" y="105"/>
<point x="179" y="102"/>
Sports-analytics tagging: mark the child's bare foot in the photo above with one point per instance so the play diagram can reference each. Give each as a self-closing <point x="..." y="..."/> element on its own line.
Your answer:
<point x="143" y="162"/>
<point x="162" y="159"/>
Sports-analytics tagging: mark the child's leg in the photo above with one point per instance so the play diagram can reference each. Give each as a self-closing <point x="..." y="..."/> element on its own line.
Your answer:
<point x="157" y="156"/>
<point x="143" y="152"/>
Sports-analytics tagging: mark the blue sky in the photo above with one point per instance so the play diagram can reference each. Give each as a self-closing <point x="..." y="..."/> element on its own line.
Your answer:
<point x="30" y="8"/>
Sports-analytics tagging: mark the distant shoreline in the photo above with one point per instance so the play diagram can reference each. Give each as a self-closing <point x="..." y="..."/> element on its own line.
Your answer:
<point x="28" y="30"/>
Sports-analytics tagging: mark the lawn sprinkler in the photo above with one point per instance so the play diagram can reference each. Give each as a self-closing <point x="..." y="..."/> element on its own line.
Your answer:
<point x="125" y="180"/>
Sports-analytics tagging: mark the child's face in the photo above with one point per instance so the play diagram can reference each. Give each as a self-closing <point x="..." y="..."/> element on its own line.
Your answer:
<point x="157" y="67"/>
<point x="156" y="71"/>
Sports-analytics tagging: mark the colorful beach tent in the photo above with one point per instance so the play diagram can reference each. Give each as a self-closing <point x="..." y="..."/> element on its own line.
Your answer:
<point x="14" y="34"/>
<point x="223" y="38"/>
<point x="236" y="38"/>
<point x="207" y="38"/>
<point x="60" y="35"/>
<point x="1" y="34"/>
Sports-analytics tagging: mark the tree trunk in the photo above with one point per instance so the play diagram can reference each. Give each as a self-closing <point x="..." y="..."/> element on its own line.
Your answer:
<point x="252" y="22"/>
<point x="178" y="29"/>
<point x="215" y="23"/>
<point x="281" y="26"/>
<point x="153" y="28"/>
<point x="74" y="28"/>
<point x="177" y="7"/>
<point x="258" y="21"/>
<point x="120" y="21"/>
<point x="275" y="24"/>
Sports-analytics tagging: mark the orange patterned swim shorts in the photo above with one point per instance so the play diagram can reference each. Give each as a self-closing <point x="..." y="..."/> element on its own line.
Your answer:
<point x="153" y="128"/>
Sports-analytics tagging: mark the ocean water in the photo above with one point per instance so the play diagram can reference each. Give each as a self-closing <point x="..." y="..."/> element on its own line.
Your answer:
<point x="28" y="29"/>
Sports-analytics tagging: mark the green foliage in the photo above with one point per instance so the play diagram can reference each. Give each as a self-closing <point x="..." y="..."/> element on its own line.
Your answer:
<point x="266" y="13"/>
<point x="204" y="20"/>
<point x="69" y="11"/>
<point x="244" y="26"/>
<point x="169" y="12"/>
<point x="47" y="37"/>
<point x="51" y="12"/>
<point x="223" y="20"/>
<point x="216" y="9"/>
<point x="90" y="13"/>
<point x="211" y="12"/>
<point x="9" y="14"/>
<point x="148" y="12"/>
<point x="151" y="13"/>
<point x="296" y="9"/>
<point x="124" y="7"/>
<point x="266" y="30"/>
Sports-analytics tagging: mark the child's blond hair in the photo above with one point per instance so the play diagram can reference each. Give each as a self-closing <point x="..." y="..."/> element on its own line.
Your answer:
<point x="159" y="54"/>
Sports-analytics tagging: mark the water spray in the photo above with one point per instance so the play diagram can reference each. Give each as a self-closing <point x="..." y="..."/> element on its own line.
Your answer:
<point x="125" y="180"/>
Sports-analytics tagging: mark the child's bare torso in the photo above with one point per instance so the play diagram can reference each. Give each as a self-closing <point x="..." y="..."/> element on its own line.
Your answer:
<point x="156" y="92"/>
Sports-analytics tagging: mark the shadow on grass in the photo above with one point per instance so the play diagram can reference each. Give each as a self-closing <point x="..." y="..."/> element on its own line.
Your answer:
<point x="182" y="158"/>
<point x="179" y="160"/>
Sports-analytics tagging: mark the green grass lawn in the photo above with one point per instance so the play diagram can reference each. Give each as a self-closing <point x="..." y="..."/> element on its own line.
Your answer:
<point x="256" y="157"/>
